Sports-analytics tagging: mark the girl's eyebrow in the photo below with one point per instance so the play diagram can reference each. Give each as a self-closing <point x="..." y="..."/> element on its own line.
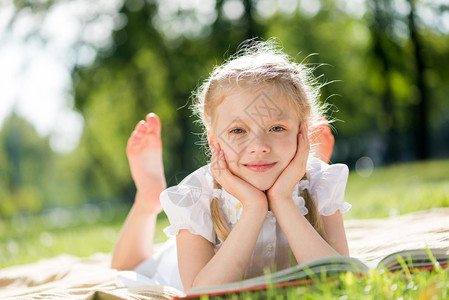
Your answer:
<point x="236" y="122"/>
<point x="247" y="120"/>
<point x="280" y="117"/>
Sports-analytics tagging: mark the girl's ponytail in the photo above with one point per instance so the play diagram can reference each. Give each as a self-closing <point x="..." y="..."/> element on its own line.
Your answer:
<point x="313" y="216"/>
<point x="220" y="226"/>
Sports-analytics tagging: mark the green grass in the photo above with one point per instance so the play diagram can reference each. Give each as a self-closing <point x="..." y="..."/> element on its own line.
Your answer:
<point x="376" y="284"/>
<point x="387" y="191"/>
<point x="398" y="189"/>
<point x="79" y="232"/>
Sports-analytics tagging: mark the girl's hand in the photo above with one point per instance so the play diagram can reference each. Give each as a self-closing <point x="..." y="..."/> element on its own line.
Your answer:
<point x="295" y="170"/>
<point x="234" y="185"/>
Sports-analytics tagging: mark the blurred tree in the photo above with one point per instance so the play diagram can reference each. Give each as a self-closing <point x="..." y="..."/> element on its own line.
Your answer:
<point x="385" y="52"/>
<point x="337" y="45"/>
<point x="391" y="63"/>
<point x="422" y="110"/>
<point x="399" y="50"/>
<point x="145" y="69"/>
<point x="27" y="163"/>
<point x="370" y="51"/>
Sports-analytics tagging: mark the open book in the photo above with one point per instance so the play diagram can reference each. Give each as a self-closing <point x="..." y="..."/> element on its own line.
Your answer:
<point x="418" y="259"/>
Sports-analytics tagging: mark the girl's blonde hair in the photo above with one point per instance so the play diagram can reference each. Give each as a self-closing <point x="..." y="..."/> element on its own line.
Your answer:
<point x="261" y="64"/>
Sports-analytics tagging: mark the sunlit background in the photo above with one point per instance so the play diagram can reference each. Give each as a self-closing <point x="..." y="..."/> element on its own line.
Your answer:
<point x="77" y="75"/>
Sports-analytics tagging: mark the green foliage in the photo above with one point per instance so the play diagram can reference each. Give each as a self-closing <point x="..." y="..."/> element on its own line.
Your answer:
<point x="343" y="58"/>
<point x="368" y="59"/>
<point x="127" y="81"/>
<point x="25" y="159"/>
<point x="33" y="177"/>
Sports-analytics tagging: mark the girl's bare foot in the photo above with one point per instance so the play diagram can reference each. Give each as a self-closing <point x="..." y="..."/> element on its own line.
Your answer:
<point x="323" y="138"/>
<point x="144" y="151"/>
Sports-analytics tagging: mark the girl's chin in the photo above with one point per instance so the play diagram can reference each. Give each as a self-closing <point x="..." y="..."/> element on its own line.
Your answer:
<point x="263" y="186"/>
<point x="262" y="183"/>
<point x="259" y="183"/>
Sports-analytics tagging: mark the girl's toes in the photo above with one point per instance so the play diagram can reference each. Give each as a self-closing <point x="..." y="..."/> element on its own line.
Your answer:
<point x="135" y="138"/>
<point x="154" y="123"/>
<point x="134" y="141"/>
<point x="141" y="127"/>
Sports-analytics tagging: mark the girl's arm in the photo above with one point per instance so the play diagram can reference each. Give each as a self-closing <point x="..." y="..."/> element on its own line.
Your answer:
<point x="335" y="232"/>
<point x="134" y="244"/>
<point x="303" y="239"/>
<point x="198" y="263"/>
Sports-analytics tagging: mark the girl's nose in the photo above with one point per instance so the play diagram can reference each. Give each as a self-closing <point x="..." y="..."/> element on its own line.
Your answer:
<point x="259" y="144"/>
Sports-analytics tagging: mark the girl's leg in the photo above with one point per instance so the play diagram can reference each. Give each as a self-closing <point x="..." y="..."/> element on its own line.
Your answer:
<point x="144" y="151"/>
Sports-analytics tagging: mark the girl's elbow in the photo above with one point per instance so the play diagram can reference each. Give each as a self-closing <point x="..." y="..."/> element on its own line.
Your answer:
<point x="120" y="266"/>
<point x="197" y="282"/>
<point x="124" y="264"/>
<point x="342" y="250"/>
<point x="188" y="283"/>
<point x="116" y="266"/>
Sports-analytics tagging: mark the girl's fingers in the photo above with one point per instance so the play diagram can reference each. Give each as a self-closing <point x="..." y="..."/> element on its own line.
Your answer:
<point x="215" y="163"/>
<point x="214" y="157"/>
<point x="307" y="142"/>
<point x="219" y="166"/>
<point x="221" y="159"/>
<point x="305" y="139"/>
<point x="221" y="162"/>
<point x="302" y="151"/>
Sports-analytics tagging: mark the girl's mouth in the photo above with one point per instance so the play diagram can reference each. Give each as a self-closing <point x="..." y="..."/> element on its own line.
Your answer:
<point x="259" y="166"/>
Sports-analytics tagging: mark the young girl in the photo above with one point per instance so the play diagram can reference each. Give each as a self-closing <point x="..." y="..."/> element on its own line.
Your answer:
<point x="264" y="201"/>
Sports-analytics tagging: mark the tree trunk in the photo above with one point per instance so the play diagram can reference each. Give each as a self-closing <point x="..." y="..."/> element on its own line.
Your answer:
<point x="380" y="23"/>
<point x="421" y="115"/>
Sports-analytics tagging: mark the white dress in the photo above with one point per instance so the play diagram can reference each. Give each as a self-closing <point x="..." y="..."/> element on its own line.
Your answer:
<point x="187" y="206"/>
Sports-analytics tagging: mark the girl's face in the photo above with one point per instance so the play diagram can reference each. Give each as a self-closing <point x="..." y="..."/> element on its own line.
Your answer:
<point x="258" y="134"/>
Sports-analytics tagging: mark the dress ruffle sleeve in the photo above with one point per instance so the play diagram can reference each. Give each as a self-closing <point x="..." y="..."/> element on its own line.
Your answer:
<point x="327" y="185"/>
<point x="187" y="206"/>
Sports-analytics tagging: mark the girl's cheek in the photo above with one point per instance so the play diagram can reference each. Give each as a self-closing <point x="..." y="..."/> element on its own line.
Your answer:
<point x="229" y="156"/>
<point x="230" y="150"/>
<point x="290" y="149"/>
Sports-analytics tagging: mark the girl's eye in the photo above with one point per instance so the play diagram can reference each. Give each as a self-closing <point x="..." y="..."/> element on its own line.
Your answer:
<point x="277" y="128"/>
<point x="237" y="130"/>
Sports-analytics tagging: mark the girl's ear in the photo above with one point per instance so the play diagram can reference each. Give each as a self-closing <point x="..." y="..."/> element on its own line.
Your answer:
<point x="211" y="139"/>
<point x="304" y="126"/>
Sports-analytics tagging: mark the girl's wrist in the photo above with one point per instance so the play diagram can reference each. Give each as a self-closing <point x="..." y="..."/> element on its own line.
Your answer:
<point x="255" y="212"/>
<point x="279" y="193"/>
<point x="279" y="200"/>
<point x="259" y="207"/>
